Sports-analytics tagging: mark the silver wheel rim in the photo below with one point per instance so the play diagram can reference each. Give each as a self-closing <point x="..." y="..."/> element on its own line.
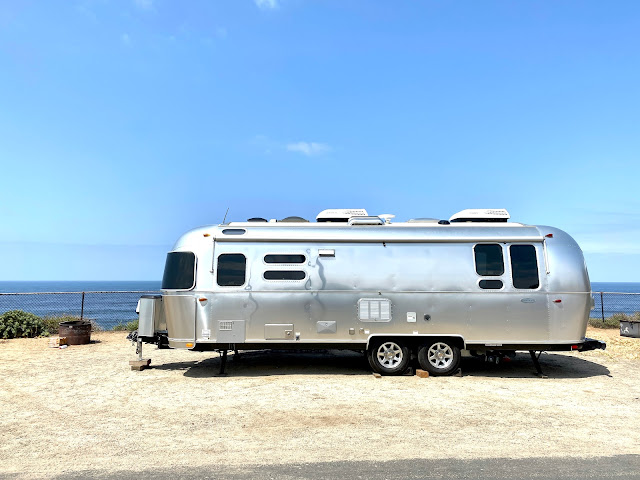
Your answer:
<point x="440" y="355"/>
<point x="389" y="355"/>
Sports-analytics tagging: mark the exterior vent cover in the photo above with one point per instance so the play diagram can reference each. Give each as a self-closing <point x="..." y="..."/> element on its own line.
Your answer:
<point x="374" y="310"/>
<point x="481" y="215"/>
<point x="225" y="325"/>
<point x="340" y="214"/>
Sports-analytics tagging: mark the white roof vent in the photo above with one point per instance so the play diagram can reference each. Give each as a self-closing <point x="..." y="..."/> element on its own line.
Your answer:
<point x="340" y="214"/>
<point x="423" y="220"/>
<point x="366" y="221"/>
<point x="481" y="215"/>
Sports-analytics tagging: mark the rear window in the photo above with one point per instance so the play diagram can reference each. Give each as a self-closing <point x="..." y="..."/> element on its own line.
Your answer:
<point x="524" y="266"/>
<point x="179" y="271"/>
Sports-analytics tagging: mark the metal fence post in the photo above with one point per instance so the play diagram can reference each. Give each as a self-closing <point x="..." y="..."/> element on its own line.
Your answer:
<point x="602" y="306"/>
<point x="82" y="308"/>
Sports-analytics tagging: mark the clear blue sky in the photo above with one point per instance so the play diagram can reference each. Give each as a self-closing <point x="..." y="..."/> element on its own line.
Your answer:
<point x="125" y="123"/>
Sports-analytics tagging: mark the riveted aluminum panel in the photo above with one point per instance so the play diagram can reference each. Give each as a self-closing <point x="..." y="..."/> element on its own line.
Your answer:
<point x="180" y="315"/>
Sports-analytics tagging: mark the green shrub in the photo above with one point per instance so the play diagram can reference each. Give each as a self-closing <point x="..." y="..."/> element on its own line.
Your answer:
<point x="614" y="320"/>
<point x="126" y="327"/>
<point x="53" y="322"/>
<point x="18" y="323"/>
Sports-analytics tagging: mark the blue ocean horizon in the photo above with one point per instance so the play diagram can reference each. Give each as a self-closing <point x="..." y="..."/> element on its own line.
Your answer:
<point x="111" y="309"/>
<point x="27" y="286"/>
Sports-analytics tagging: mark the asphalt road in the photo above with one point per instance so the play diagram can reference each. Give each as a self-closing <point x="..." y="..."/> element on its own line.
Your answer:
<point x="614" y="467"/>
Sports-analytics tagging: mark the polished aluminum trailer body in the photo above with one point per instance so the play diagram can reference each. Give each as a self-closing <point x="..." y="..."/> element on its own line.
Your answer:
<point x="348" y="285"/>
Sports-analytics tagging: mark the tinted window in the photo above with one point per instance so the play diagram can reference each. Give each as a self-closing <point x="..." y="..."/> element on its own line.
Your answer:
<point x="284" y="275"/>
<point x="231" y="269"/>
<point x="524" y="266"/>
<point x="285" y="258"/>
<point x="489" y="259"/>
<point x="179" y="271"/>
<point x="490" y="284"/>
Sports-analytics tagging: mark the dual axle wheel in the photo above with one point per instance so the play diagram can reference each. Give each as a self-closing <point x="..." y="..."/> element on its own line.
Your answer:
<point x="392" y="357"/>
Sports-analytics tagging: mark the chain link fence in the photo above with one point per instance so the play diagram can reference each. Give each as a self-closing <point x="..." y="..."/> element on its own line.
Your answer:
<point x="109" y="310"/>
<point x="616" y="306"/>
<point x="106" y="310"/>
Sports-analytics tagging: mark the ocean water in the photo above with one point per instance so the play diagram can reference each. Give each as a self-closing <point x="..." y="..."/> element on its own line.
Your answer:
<point x="615" y="297"/>
<point x="110" y="303"/>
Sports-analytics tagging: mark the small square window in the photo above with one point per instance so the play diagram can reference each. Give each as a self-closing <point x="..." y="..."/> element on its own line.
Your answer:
<point x="231" y="269"/>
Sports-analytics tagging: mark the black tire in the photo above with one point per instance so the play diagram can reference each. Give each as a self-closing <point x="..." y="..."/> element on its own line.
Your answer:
<point x="388" y="357"/>
<point x="439" y="357"/>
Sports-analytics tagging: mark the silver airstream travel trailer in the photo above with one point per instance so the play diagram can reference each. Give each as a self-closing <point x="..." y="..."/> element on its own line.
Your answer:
<point x="424" y="288"/>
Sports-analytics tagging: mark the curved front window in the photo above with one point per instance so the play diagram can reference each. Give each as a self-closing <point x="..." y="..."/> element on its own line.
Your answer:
<point x="179" y="271"/>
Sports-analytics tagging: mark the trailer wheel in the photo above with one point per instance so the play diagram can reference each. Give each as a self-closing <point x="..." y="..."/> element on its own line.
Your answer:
<point x="388" y="357"/>
<point x="441" y="357"/>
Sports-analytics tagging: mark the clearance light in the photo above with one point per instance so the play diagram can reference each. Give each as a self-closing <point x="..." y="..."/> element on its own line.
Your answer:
<point x="549" y="235"/>
<point x="574" y="347"/>
<point x="202" y="299"/>
<point x="557" y="301"/>
<point x="189" y="345"/>
<point x="206" y="235"/>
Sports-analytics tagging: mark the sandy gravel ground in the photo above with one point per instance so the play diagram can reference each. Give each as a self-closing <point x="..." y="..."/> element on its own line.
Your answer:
<point x="82" y="408"/>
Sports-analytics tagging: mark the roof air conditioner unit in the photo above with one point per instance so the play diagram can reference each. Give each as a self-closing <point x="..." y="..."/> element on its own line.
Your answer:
<point x="481" y="215"/>
<point x="340" y="214"/>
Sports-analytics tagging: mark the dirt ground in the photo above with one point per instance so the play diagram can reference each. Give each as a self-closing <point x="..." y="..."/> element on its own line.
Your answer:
<point x="82" y="408"/>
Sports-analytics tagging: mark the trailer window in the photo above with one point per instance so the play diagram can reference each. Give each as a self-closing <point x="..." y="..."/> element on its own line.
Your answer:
<point x="284" y="275"/>
<point x="285" y="258"/>
<point x="524" y="266"/>
<point x="489" y="260"/>
<point x="179" y="271"/>
<point x="490" y="284"/>
<point x="231" y="269"/>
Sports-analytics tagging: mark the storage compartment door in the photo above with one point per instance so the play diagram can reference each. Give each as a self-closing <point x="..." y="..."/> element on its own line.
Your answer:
<point x="278" y="331"/>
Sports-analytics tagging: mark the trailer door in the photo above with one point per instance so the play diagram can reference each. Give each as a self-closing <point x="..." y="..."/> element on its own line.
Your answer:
<point x="528" y="316"/>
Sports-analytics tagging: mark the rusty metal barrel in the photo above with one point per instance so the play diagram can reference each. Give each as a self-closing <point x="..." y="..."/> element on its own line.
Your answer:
<point x="78" y="332"/>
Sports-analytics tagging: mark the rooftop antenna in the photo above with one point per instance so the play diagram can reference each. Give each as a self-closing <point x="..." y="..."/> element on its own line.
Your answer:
<point x="225" y="216"/>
